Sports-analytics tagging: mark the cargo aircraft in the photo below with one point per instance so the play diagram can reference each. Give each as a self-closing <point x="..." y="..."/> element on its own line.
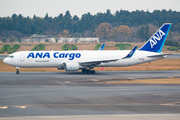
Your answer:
<point x="87" y="60"/>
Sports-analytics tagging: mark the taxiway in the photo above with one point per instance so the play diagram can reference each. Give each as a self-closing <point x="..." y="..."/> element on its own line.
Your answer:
<point x="74" y="93"/>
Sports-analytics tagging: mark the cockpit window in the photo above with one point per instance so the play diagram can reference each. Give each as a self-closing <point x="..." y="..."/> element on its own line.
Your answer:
<point x="11" y="56"/>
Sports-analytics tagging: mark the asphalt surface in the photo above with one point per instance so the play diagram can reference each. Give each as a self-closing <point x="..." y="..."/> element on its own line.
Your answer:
<point x="72" y="93"/>
<point x="2" y="57"/>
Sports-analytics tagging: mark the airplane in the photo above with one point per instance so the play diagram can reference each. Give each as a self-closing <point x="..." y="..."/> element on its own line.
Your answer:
<point x="87" y="60"/>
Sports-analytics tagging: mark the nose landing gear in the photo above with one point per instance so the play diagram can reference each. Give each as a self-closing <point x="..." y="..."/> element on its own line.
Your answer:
<point x="17" y="70"/>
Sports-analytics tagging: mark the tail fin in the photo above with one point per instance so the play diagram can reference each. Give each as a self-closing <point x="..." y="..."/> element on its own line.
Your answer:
<point x="102" y="47"/>
<point x="156" y="42"/>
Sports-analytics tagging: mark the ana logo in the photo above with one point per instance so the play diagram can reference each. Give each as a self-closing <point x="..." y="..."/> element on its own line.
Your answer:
<point x="70" y="56"/>
<point x="157" y="37"/>
<point x="39" y="55"/>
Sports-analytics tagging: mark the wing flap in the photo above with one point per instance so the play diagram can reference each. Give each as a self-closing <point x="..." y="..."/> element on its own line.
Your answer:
<point x="97" y="62"/>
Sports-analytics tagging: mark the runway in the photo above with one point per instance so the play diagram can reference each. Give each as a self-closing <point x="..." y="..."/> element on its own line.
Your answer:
<point x="62" y="78"/>
<point x="2" y="57"/>
<point x="72" y="93"/>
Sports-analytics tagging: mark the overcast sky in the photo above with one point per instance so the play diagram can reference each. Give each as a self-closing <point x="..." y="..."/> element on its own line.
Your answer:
<point x="79" y="7"/>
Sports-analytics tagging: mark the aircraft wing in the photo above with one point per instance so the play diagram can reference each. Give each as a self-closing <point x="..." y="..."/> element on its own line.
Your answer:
<point x="97" y="62"/>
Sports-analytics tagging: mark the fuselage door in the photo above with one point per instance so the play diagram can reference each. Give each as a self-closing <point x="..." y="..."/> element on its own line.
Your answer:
<point x="22" y="58"/>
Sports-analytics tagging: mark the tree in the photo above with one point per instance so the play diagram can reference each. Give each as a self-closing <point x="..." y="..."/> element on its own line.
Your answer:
<point x="60" y="17"/>
<point x="124" y="30"/>
<point x="105" y="30"/>
<point x="143" y="33"/>
<point x="34" y="17"/>
<point x="170" y="34"/>
<point x="52" y="26"/>
<point x="171" y="43"/>
<point x="65" y="33"/>
<point x="75" y="18"/>
<point x="46" y="17"/>
<point x="146" y="36"/>
<point x="90" y="23"/>
<point x="67" y="16"/>
<point x="66" y="22"/>
<point x="109" y="16"/>
<point x="14" y="16"/>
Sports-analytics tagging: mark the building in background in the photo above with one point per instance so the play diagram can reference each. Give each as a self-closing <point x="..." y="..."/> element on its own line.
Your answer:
<point x="78" y="40"/>
<point x="43" y="38"/>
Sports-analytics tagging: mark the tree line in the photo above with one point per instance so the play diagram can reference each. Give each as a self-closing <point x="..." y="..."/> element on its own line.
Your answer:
<point x="90" y="25"/>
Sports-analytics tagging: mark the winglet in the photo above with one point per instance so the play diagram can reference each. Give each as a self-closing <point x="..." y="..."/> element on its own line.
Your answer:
<point x="130" y="53"/>
<point x="102" y="47"/>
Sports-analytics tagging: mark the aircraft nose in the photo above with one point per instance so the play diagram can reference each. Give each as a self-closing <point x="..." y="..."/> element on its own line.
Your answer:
<point x="5" y="60"/>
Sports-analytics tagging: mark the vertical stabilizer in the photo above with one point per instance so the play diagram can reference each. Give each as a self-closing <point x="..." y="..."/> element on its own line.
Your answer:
<point x="102" y="47"/>
<point x="156" y="42"/>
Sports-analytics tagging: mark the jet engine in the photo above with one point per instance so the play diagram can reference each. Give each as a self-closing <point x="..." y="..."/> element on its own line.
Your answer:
<point x="71" y="66"/>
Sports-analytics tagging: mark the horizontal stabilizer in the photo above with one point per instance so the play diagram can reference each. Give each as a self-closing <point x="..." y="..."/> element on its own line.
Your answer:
<point x="161" y="55"/>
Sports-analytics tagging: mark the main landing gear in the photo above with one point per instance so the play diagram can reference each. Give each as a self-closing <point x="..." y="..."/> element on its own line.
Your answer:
<point x="88" y="71"/>
<point x="17" y="70"/>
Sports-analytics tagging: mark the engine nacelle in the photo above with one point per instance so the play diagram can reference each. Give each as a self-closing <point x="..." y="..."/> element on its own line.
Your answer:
<point x="71" y="66"/>
<point x="60" y="67"/>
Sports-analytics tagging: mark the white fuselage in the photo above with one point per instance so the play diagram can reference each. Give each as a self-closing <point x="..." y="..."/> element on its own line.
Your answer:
<point x="32" y="59"/>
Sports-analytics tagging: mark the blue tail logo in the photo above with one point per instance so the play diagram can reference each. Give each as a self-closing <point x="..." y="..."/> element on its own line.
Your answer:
<point x="156" y="38"/>
<point x="156" y="42"/>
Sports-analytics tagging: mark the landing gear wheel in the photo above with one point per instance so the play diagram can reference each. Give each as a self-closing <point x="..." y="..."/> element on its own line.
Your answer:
<point x="93" y="72"/>
<point x="83" y="70"/>
<point x="17" y="72"/>
<point x="88" y="71"/>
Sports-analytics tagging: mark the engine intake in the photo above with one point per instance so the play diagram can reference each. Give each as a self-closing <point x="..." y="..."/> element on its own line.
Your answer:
<point x="71" y="66"/>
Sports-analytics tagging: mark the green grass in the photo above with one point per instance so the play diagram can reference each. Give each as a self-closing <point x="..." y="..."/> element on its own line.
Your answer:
<point x="173" y="48"/>
<point x="39" y="47"/>
<point x="69" y="47"/>
<point x="9" y="49"/>
<point x="97" y="46"/>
